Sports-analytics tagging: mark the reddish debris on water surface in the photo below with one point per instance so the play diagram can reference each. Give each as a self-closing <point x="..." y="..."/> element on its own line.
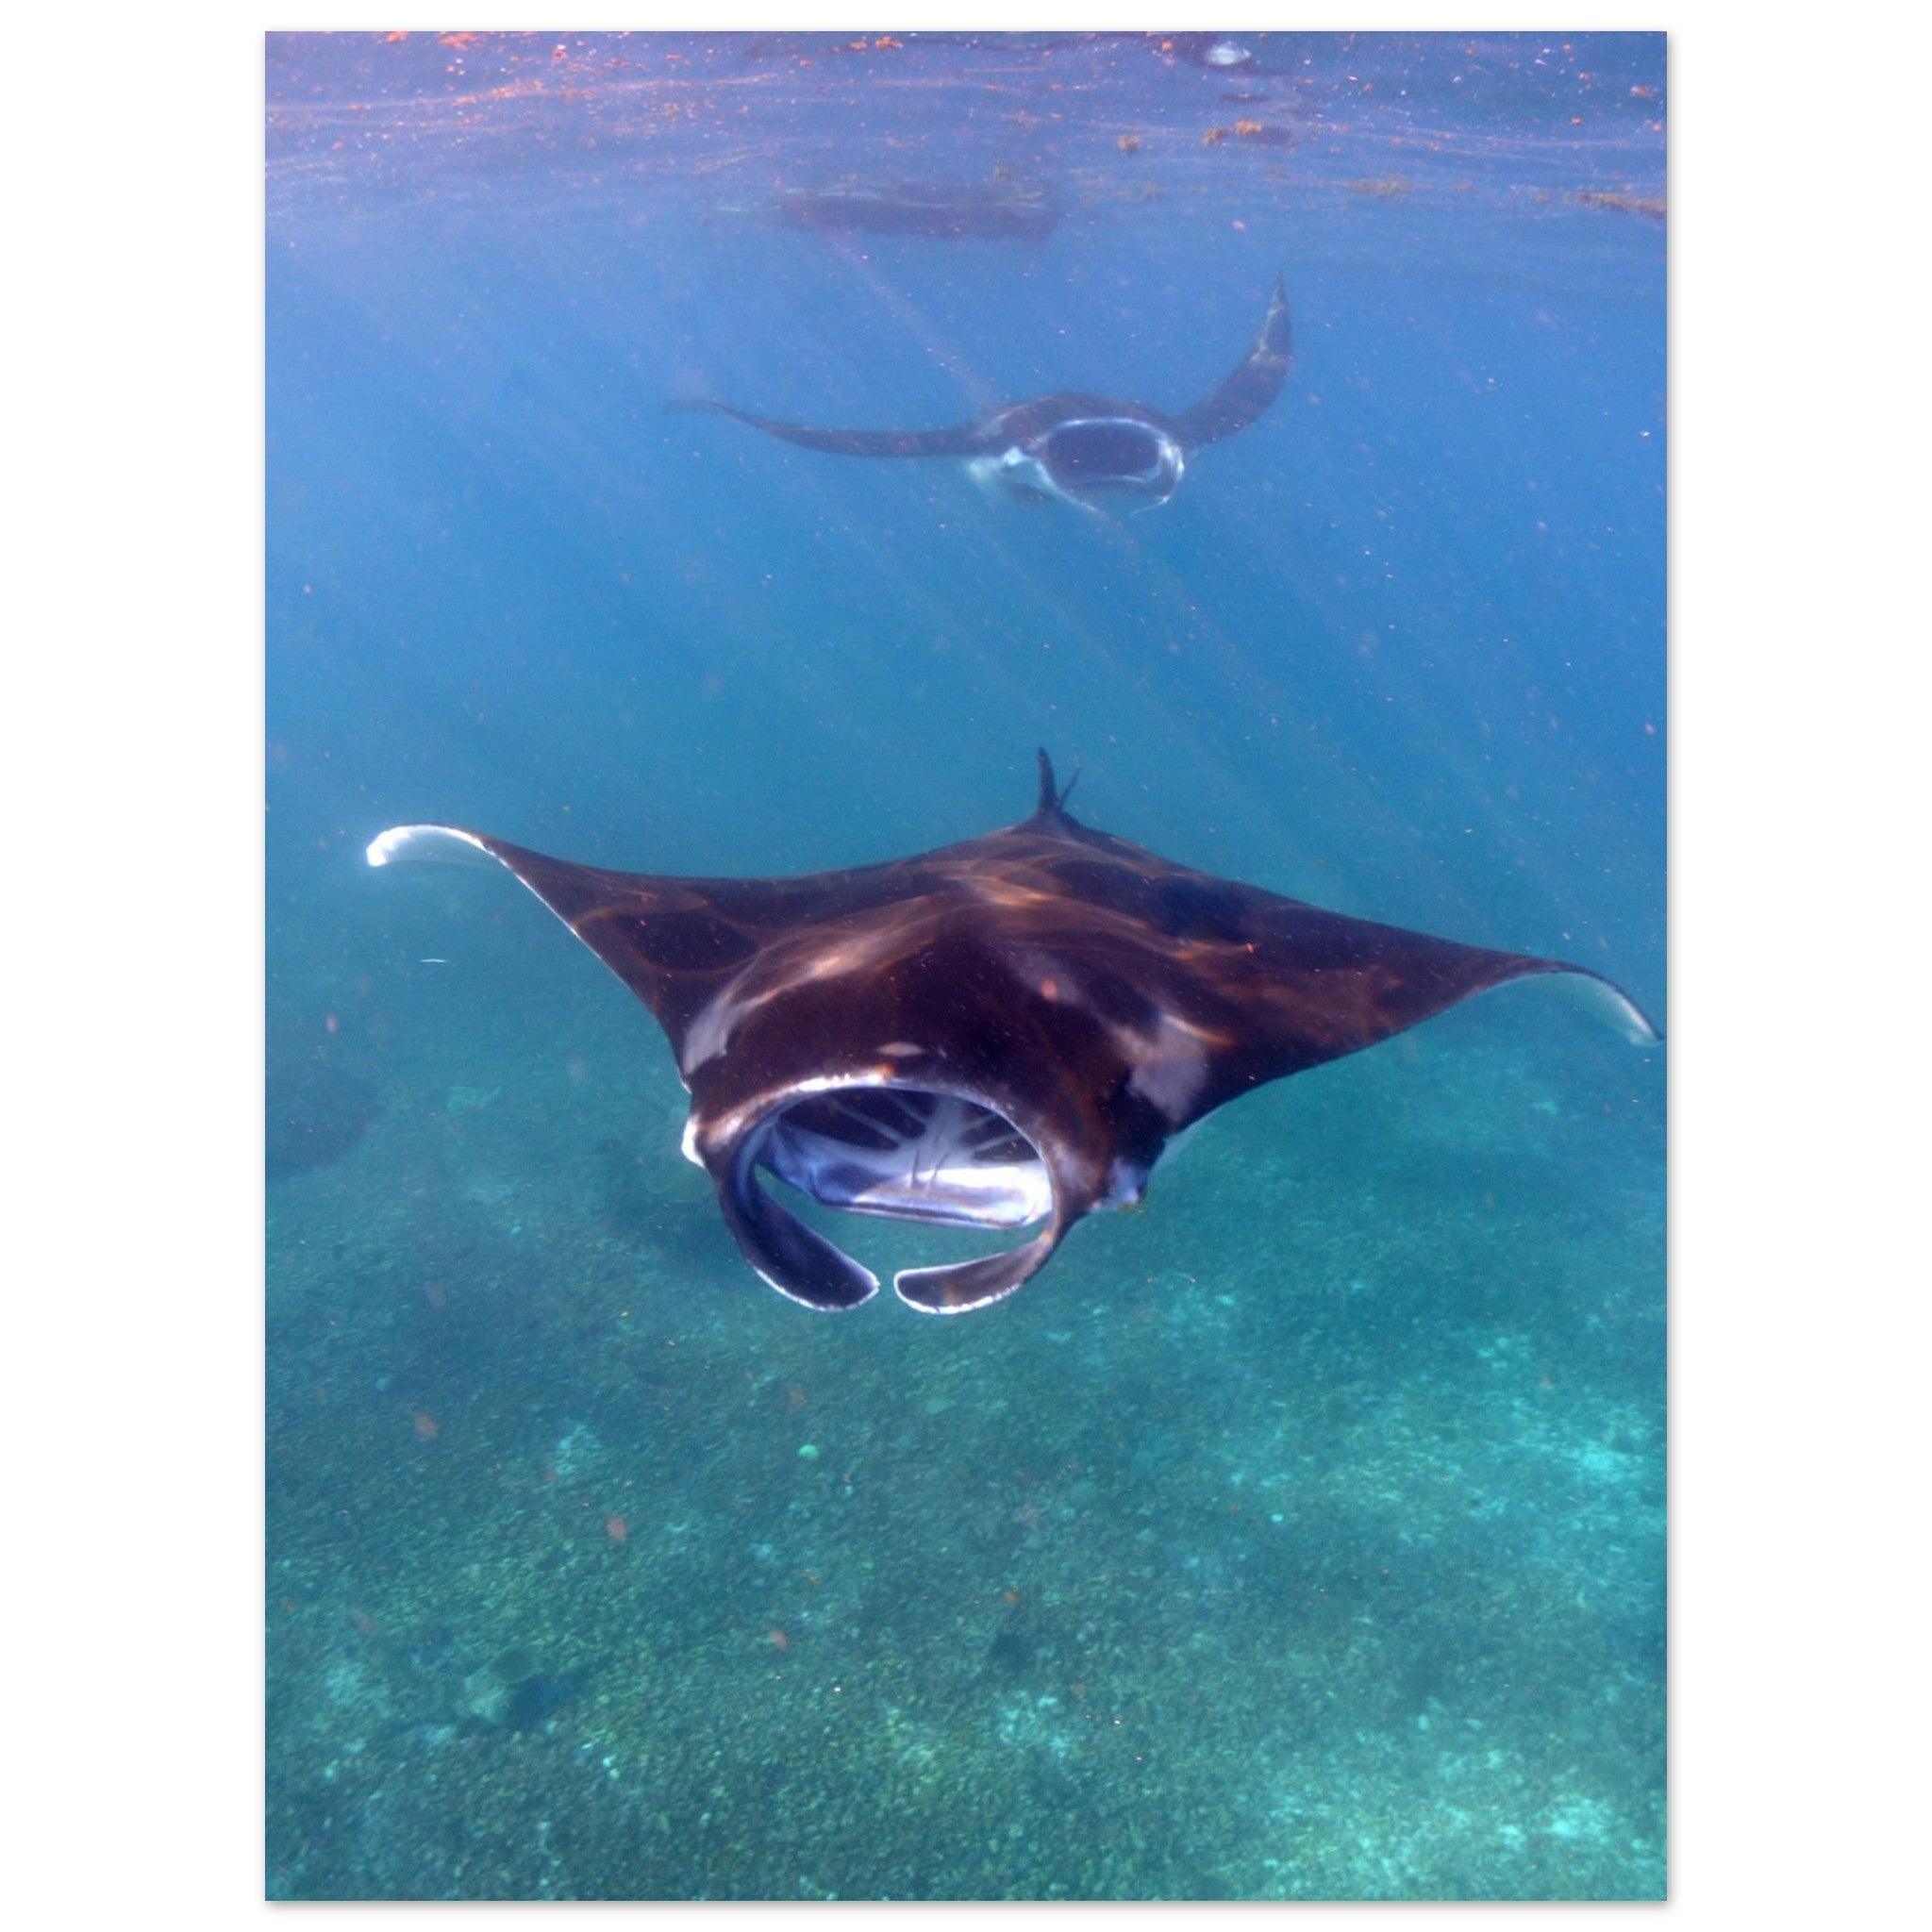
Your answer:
<point x="616" y="1528"/>
<point x="777" y="1638"/>
<point x="425" y="1426"/>
<point x="1650" y="206"/>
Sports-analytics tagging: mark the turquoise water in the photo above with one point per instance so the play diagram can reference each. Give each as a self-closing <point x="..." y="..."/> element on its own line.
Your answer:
<point x="1299" y="1536"/>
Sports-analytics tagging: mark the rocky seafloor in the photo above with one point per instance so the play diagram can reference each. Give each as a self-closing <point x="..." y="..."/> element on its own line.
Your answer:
<point x="1301" y="1536"/>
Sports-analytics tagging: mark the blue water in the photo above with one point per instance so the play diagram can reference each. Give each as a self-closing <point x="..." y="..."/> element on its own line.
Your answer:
<point x="1301" y="1536"/>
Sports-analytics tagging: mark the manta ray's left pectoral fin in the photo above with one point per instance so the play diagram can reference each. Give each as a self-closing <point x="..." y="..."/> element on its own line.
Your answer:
<point x="1332" y="985"/>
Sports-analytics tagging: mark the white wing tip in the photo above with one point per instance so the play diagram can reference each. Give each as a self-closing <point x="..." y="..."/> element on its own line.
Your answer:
<point x="1602" y="999"/>
<point x="1612" y="1004"/>
<point x="448" y="843"/>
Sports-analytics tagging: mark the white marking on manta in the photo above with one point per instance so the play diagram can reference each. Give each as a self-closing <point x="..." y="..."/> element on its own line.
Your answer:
<point x="1170" y="1067"/>
<point x="1014" y="470"/>
<point x="1594" y="996"/>
<point x="451" y="846"/>
<point x="443" y="842"/>
<point x="709" y="1034"/>
<point x="1600" y="997"/>
<point x="1170" y="1064"/>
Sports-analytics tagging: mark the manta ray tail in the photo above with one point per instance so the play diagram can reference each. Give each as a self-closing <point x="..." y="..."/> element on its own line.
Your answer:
<point x="961" y="441"/>
<point x="1250" y="392"/>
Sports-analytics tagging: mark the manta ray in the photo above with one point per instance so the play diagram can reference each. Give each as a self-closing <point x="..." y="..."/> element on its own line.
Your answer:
<point x="1095" y="452"/>
<point x="999" y="1033"/>
<point x="1007" y="210"/>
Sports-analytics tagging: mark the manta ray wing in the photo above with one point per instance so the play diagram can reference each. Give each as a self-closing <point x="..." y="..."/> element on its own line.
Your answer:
<point x="1250" y="390"/>
<point x="963" y="440"/>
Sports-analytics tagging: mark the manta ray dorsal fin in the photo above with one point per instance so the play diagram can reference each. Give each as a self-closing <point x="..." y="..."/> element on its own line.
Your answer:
<point x="1053" y="794"/>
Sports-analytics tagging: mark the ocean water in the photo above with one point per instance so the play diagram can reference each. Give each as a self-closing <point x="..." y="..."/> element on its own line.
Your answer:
<point x="1299" y="1536"/>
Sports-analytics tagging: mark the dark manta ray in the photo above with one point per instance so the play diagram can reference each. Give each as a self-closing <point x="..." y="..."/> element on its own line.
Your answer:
<point x="998" y="1033"/>
<point x="1086" y="450"/>
<point x="1021" y="213"/>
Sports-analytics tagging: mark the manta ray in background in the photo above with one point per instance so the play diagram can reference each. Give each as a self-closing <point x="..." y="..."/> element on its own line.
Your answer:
<point x="1095" y="452"/>
<point x="1004" y="210"/>
<point x="995" y="1034"/>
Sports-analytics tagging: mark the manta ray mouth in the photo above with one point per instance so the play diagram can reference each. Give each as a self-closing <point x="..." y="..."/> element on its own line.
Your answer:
<point x="1110" y="453"/>
<point x="908" y="1153"/>
<point x="904" y="1152"/>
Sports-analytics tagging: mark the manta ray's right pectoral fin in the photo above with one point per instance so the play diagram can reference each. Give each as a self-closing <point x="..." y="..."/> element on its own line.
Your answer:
<point x="1250" y="390"/>
<point x="962" y="440"/>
